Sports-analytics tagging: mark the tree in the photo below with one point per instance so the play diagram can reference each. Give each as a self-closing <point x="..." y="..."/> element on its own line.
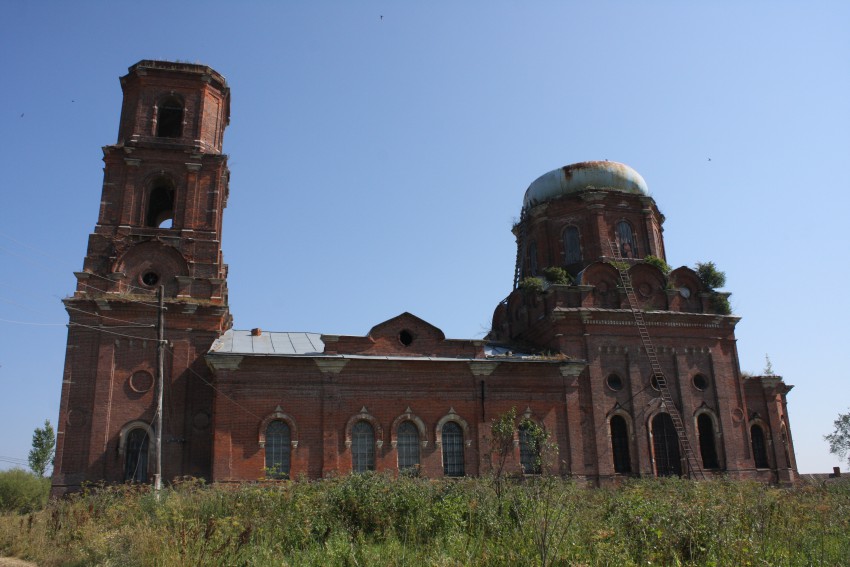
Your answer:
<point x="839" y="440"/>
<point x="41" y="454"/>
<point x="710" y="276"/>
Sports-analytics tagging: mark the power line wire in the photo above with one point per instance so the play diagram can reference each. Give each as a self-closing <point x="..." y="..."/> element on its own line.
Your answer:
<point x="210" y="384"/>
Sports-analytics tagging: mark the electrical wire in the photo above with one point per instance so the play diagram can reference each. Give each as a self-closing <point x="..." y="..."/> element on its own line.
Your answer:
<point x="122" y="297"/>
<point x="222" y="394"/>
<point x="132" y="323"/>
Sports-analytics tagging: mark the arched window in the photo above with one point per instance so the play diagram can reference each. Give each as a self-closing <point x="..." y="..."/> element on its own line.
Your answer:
<point x="278" y="450"/>
<point x="362" y="447"/>
<point x="572" y="246"/>
<point x="665" y="446"/>
<point x="626" y="240"/>
<point x="408" y="446"/>
<point x="452" y="438"/>
<point x="529" y="450"/>
<point x="532" y="258"/>
<point x="620" y="445"/>
<point x="136" y="456"/>
<point x="759" y="447"/>
<point x="707" y="445"/>
<point x="169" y="119"/>
<point x="160" y="213"/>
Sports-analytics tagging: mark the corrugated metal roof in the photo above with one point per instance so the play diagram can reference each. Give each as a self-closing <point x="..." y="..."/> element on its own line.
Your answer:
<point x="292" y="344"/>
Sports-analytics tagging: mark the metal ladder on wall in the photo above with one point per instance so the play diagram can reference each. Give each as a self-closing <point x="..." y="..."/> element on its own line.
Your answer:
<point x="657" y="373"/>
<point x="520" y="247"/>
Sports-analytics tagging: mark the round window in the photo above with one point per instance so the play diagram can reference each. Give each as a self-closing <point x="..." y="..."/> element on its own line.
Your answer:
<point x="700" y="382"/>
<point x="615" y="382"/>
<point x="654" y="383"/>
<point x="150" y="279"/>
<point x="685" y="292"/>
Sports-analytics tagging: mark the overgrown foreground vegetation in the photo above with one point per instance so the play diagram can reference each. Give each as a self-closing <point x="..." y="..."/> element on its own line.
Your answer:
<point x="372" y="519"/>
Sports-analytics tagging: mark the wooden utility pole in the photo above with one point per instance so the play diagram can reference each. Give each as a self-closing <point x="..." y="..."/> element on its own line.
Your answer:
<point x="160" y="383"/>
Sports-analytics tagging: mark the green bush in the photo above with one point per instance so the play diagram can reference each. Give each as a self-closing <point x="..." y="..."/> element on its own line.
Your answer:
<point x="377" y="519"/>
<point x="557" y="276"/>
<point x="658" y="263"/>
<point x="710" y="276"/>
<point x="22" y="492"/>
<point x="531" y="285"/>
<point x="720" y="303"/>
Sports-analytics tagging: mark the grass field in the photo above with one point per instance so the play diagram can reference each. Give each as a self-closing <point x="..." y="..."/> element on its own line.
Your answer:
<point x="373" y="519"/>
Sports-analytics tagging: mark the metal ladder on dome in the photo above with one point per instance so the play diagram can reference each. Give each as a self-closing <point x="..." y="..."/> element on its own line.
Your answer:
<point x="657" y="373"/>
<point x="520" y="248"/>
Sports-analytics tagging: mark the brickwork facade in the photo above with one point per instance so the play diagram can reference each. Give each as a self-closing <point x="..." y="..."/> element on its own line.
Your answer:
<point x="241" y="406"/>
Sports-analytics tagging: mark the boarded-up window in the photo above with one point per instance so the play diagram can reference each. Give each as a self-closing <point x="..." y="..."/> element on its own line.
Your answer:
<point x="572" y="246"/>
<point x="707" y="445"/>
<point x="620" y="445"/>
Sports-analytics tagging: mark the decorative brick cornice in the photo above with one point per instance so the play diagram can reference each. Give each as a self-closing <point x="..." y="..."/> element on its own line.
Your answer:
<point x="331" y="365"/>
<point x="482" y="368"/>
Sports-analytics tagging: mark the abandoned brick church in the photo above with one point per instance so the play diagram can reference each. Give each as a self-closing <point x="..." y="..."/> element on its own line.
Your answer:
<point x="568" y="352"/>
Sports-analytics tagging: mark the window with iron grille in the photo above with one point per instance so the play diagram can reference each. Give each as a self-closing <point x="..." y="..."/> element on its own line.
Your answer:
<point x="407" y="446"/>
<point x="759" y="447"/>
<point x="626" y="240"/>
<point x="529" y="450"/>
<point x="362" y="447"/>
<point x="278" y="450"/>
<point x="572" y="246"/>
<point x="707" y="446"/>
<point x="620" y="445"/>
<point x="136" y="456"/>
<point x="665" y="444"/>
<point x="452" y="436"/>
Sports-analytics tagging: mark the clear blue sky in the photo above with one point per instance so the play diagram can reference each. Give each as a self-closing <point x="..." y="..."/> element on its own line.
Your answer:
<point x="378" y="163"/>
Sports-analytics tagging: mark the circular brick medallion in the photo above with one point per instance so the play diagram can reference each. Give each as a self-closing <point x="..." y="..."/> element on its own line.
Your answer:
<point x="141" y="381"/>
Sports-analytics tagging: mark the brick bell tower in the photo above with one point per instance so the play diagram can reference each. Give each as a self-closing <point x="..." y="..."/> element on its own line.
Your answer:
<point x="165" y="186"/>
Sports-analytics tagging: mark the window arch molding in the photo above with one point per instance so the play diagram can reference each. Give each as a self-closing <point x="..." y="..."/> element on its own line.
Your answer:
<point x="717" y="436"/>
<point x="139" y="464"/>
<point x="278" y="415"/>
<point x="766" y="440"/>
<point x="631" y="453"/>
<point x="138" y="424"/>
<point x="408" y="415"/>
<point x="364" y="415"/>
<point x="452" y="416"/>
<point x="669" y="463"/>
